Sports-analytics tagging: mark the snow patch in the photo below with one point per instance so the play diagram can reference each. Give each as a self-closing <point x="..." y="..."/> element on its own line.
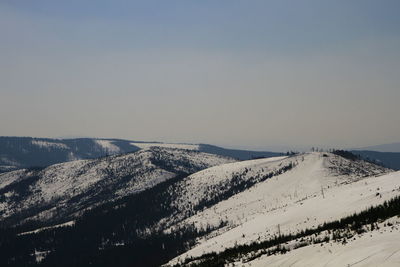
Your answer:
<point x="167" y="145"/>
<point x="108" y="146"/>
<point x="40" y="255"/>
<point x="49" y="145"/>
<point x="66" y="224"/>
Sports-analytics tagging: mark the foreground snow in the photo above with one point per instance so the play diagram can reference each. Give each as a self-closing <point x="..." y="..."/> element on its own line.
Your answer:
<point x="376" y="248"/>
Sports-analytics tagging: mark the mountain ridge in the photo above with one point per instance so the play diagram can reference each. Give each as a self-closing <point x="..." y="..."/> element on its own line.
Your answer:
<point x="28" y="152"/>
<point x="67" y="188"/>
<point x="391" y="147"/>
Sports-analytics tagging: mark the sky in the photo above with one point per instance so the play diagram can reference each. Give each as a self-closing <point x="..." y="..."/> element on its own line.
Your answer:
<point x="246" y="74"/>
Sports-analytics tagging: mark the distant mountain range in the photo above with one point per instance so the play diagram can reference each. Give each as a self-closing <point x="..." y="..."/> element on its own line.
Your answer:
<point x="393" y="147"/>
<point x="26" y="152"/>
<point x="387" y="159"/>
<point x="386" y="154"/>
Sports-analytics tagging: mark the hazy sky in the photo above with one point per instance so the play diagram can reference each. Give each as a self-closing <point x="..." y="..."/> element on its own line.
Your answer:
<point x="229" y="72"/>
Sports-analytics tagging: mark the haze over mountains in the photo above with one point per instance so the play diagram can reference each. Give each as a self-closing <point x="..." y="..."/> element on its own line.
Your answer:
<point x="238" y="133"/>
<point x="393" y="147"/>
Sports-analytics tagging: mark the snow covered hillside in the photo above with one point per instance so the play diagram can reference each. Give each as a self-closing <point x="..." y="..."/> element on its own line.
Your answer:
<point x="320" y="187"/>
<point x="64" y="190"/>
<point x="379" y="247"/>
<point x="26" y="152"/>
<point x="242" y="210"/>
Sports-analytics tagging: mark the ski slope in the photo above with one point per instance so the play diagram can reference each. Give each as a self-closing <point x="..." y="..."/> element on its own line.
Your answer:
<point x="322" y="187"/>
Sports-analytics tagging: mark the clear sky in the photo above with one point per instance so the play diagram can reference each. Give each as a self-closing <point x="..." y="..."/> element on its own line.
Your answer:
<point x="238" y="73"/>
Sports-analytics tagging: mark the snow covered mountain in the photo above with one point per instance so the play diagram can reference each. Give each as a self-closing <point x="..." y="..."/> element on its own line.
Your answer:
<point x="197" y="209"/>
<point x="64" y="190"/>
<point x="322" y="187"/>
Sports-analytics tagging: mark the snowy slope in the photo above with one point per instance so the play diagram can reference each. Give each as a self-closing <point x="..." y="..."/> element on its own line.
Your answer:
<point x="68" y="188"/>
<point x="376" y="248"/>
<point x="321" y="187"/>
<point x="213" y="182"/>
<point x="312" y="173"/>
<point x="108" y="146"/>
